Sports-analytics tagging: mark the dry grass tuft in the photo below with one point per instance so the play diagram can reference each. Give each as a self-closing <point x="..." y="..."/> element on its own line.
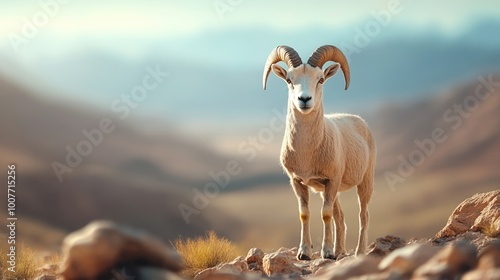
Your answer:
<point x="204" y="252"/>
<point x="27" y="264"/>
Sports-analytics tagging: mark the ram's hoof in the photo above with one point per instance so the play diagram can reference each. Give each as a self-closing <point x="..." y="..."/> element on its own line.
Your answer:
<point x="302" y="257"/>
<point x="329" y="256"/>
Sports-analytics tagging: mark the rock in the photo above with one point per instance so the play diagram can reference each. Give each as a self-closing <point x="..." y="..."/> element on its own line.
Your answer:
<point x="254" y="274"/>
<point x="449" y="262"/>
<point x="279" y="263"/>
<point x="303" y="268"/>
<point x="150" y="273"/>
<point x="479" y="240"/>
<point x="256" y="264"/>
<point x="292" y="253"/>
<point x="385" y="245"/>
<point x="97" y="249"/>
<point x="379" y="276"/>
<point x="318" y="264"/>
<point x="488" y="221"/>
<point x="490" y="257"/>
<point x="490" y="274"/>
<point x="405" y="260"/>
<point x="239" y="264"/>
<point x="206" y="273"/>
<point x="46" y="277"/>
<point x="254" y="259"/>
<point x="236" y="267"/>
<point x="224" y="276"/>
<point x="362" y="265"/>
<point x="481" y="212"/>
<point x="49" y="269"/>
<point x="316" y="255"/>
<point x="488" y="266"/>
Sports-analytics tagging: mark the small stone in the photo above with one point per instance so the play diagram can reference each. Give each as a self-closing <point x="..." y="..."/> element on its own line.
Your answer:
<point x="224" y="276"/>
<point x="385" y="245"/>
<point x="204" y="274"/>
<point x="46" y="277"/>
<point x="380" y="276"/>
<point x="49" y="269"/>
<point x="359" y="266"/>
<point x="279" y="263"/>
<point x="254" y="256"/>
<point x="151" y="273"/>
<point x="316" y="255"/>
<point x="489" y="274"/>
<point x="317" y="264"/>
<point x="405" y="260"/>
<point x="237" y="266"/>
<point x="490" y="257"/>
<point x="450" y="262"/>
<point x="240" y="264"/>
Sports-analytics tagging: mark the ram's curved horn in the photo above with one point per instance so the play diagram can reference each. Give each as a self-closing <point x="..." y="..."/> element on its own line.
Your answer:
<point x="281" y="53"/>
<point x="330" y="53"/>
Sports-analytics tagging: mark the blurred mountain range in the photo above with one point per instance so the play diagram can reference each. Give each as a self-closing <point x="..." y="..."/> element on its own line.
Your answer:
<point x="214" y="70"/>
<point x="466" y="116"/>
<point x="141" y="179"/>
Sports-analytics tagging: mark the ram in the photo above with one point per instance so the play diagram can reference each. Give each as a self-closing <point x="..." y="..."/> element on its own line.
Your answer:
<point x="326" y="153"/>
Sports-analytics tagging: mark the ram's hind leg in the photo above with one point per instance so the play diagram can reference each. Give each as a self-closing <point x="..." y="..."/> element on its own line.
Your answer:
<point x="302" y="193"/>
<point x="340" y="228"/>
<point x="365" y="190"/>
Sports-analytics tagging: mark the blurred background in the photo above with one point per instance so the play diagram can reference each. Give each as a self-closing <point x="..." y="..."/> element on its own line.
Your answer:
<point x="137" y="111"/>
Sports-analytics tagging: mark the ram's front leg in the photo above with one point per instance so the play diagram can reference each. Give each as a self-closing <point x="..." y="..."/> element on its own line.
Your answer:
<point x="302" y="193"/>
<point x="329" y="196"/>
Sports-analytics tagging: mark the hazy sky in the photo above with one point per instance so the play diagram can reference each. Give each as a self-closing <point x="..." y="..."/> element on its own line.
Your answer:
<point x="180" y="17"/>
<point x="96" y="50"/>
<point x="60" y="28"/>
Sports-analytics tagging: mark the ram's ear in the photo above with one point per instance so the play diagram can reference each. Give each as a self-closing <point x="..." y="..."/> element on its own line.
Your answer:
<point x="331" y="70"/>
<point x="279" y="71"/>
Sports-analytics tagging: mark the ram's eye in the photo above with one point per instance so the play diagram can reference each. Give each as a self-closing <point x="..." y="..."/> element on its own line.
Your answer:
<point x="288" y="81"/>
<point x="321" y="81"/>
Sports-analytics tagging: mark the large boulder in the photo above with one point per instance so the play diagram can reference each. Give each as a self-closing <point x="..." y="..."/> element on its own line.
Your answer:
<point x="480" y="213"/>
<point x="103" y="248"/>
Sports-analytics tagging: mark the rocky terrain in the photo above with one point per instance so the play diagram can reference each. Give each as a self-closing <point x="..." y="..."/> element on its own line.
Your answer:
<point x="468" y="247"/>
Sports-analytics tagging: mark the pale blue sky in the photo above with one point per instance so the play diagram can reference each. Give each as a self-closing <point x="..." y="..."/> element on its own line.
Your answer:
<point x="111" y="25"/>
<point x="95" y="50"/>
<point x="182" y="16"/>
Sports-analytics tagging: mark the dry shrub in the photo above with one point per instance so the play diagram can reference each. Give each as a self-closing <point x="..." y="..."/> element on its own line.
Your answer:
<point x="204" y="252"/>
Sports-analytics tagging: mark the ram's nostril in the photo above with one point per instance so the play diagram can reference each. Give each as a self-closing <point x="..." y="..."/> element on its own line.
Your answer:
<point x="305" y="99"/>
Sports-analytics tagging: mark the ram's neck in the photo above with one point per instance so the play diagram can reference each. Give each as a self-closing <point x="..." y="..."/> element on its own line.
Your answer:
<point x="304" y="131"/>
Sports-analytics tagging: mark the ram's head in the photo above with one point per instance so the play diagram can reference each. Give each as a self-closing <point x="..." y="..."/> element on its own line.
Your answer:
<point x="305" y="80"/>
